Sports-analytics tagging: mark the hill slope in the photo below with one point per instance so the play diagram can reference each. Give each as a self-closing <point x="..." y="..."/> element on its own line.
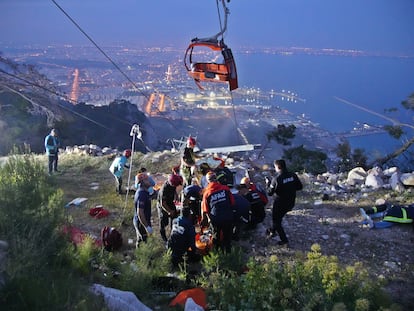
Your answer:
<point x="334" y="224"/>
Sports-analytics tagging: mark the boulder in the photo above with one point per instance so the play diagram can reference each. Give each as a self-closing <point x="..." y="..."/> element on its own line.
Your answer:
<point x="374" y="181"/>
<point x="356" y="176"/>
<point x="390" y="171"/>
<point x="118" y="300"/>
<point x="395" y="182"/>
<point x="407" y="179"/>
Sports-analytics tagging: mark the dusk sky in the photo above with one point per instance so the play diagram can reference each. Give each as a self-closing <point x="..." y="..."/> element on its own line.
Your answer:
<point x="370" y="25"/>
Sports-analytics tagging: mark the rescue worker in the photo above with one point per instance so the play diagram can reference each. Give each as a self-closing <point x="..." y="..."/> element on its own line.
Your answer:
<point x="257" y="206"/>
<point x="241" y="212"/>
<point x="217" y="209"/>
<point x="192" y="199"/>
<point x="52" y="145"/>
<point x="182" y="238"/>
<point x="283" y="186"/>
<point x="151" y="189"/>
<point x="142" y="211"/>
<point x="403" y="214"/>
<point x="117" y="168"/>
<point x="187" y="167"/>
<point x="167" y="196"/>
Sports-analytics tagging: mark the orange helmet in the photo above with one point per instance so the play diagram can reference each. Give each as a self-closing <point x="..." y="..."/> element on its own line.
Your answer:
<point x="127" y="153"/>
<point x="175" y="180"/>
<point x="191" y="141"/>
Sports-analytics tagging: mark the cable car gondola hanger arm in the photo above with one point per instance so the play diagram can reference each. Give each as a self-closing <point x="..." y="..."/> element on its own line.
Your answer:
<point x="215" y="39"/>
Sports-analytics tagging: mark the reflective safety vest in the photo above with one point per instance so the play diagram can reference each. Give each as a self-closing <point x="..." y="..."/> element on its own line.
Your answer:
<point x="400" y="214"/>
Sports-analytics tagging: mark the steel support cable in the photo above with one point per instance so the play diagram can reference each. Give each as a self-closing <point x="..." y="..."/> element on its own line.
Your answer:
<point x="236" y="123"/>
<point x="226" y="12"/>
<point x="108" y="57"/>
<point x="57" y="94"/>
<point x="219" y="18"/>
<point x="99" y="48"/>
<point x="70" y="100"/>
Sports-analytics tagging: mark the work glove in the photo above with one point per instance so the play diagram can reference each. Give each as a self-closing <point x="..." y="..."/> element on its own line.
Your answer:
<point x="267" y="180"/>
<point x="149" y="230"/>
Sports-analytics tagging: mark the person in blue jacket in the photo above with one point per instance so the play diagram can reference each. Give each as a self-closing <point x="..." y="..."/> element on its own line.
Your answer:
<point x="182" y="238"/>
<point x="151" y="189"/>
<point x="52" y="145"/>
<point x="117" y="168"/>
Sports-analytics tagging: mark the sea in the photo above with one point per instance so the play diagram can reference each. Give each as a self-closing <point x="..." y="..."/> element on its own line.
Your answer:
<point x="329" y="83"/>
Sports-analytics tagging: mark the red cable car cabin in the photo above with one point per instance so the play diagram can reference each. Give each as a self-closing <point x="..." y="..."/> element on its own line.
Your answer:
<point x="212" y="72"/>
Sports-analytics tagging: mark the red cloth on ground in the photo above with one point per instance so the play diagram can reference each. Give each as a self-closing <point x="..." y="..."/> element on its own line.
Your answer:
<point x="197" y="294"/>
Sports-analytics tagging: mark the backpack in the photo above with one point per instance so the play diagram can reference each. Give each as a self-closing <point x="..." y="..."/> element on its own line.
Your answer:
<point x="111" y="238"/>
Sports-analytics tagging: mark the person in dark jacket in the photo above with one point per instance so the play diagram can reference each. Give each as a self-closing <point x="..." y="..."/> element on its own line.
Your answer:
<point x="192" y="199"/>
<point x="167" y="196"/>
<point x="241" y="212"/>
<point x="52" y="145"/>
<point x="257" y="205"/>
<point x="142" y="203"/>
<point x="283" y="186"/>
<point x="182" y="238"/>
<point x="217" y="205"/>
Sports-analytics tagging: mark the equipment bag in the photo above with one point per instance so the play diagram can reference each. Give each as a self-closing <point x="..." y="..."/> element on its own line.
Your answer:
<point x="111" y="238"/>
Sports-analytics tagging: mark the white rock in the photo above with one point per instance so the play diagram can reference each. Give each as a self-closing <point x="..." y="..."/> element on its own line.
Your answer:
<point x="356" y="176"/>
<point x="118" y="300"/>
<point x="374" y="181"/>
<point x="390" y="171"/>
<point x="407" y="179"/>
<point x="395" y="182"/>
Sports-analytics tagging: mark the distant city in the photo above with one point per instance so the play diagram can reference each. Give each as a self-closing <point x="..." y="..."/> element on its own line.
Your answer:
<point x="156" y="81"/>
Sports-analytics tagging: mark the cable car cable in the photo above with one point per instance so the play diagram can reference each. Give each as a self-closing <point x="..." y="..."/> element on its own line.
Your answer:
<point x="108" y="57"/>
<point x="99" y="48"/>
<point x="58" y="94"/>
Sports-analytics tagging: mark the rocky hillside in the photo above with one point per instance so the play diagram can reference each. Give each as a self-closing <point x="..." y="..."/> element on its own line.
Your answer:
<point x="30" y="106"/>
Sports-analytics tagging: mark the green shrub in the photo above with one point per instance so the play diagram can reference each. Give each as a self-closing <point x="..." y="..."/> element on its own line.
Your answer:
<point x="317" y="283"/>
<point x="31" y="214"/>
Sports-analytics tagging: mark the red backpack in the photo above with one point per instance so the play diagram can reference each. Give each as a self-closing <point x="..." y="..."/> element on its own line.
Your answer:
<point x="111" y="238"/>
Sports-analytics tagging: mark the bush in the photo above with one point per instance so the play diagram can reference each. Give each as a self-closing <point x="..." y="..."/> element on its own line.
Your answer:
<point x="317" y="283"/>
<point x="31" y="213"/>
